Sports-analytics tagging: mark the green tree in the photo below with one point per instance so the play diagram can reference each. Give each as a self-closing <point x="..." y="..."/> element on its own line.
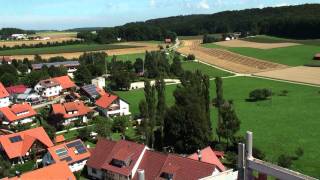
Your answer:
<point x="8" y="79"/>
<point x="120" y="124"/>
<point x="34" y="77"/>
<point x="103" y="126"/>
<point x="150" y="97"/>
<point x="82" y="75"/>
<point x="84" y="133"/>
<point x="176" y="68"/>
<point x="218" y="102"/>
<point x="57" y="71"/>
<point x="5" y="167"/>
<point x="285" y="161"/>
<point x="186" y="122"/>
<point x="160" y="111"/>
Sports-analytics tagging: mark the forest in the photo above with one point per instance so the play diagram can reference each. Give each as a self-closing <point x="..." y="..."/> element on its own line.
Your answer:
<point x="298" y="22"/>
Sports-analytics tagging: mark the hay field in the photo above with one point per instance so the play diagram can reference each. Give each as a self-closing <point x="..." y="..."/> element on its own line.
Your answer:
<point x="257" y="45"/>
<point x="226" y="59"/>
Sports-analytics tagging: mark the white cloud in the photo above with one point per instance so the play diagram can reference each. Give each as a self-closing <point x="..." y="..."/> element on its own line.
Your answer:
<point x="152" y="3"/>
<point x="203" y="4"/>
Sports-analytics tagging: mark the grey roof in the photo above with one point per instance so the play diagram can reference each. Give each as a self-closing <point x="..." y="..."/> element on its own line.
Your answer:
<point x="56" y="64"/>
<point x="91" y="90"/>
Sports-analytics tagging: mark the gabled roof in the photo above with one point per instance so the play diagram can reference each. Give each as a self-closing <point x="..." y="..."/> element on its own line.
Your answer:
<point x="208" y="156"/>
<point x="57" y="171"/>
<point x="3" y="92"/>
<point x="12" y="113"/>
<point x="74" y="151"/>
<point x="18" y="89"/>
<point x="153" y="163"/>
<point x="64" y="108"/>
<point x="65" y="82"/>
<point x="106" y="151"/>
<point x="59" y="138"/>
<point x="24" y="143"/>
<point x="92" y="91"/>
<point x="106" y="100"/>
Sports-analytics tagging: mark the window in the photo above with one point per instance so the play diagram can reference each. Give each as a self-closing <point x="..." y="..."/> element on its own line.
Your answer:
<point x="15" y="139"/>
<point x="94" y="171"/>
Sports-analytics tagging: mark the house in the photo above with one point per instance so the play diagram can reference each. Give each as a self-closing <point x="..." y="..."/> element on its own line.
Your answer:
<point x="110" y="105"/>
<point x="71" y="66"/>
<point x="17" y="146"/>
<point x="58" y="171"/>
<point x="99" y="82"/>
<point x="74" y="153"/>
<point x="51" y="88"/>
<point x="91" y="91"/>
<point x="21" y="93"/>
<point x="4" y="97"/>
<point x="209" y="156"/>
<point x="128" y="160"/>
<point x="70" y="112"/>
<point x="19" y="36"/>
<point x="17" y="114"/>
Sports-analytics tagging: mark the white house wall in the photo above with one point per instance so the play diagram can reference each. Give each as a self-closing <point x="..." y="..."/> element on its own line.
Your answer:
<point x="5" y="102"/>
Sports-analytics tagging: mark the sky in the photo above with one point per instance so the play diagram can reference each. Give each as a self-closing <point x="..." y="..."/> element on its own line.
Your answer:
<point x="66" y="14"/>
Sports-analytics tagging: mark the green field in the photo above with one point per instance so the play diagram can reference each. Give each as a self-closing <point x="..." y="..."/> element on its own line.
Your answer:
<point x="292" y="56"/>
<point x="271" y="39"/>
<point x="63" y="49"/>
<point x="279" y="125"/>
<point x="210" y="71"/>
<point x="128" y="57"/>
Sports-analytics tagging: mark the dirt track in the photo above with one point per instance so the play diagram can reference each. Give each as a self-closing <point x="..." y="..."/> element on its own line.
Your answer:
<point x="240" y="43"/>
<point x="301" y="74"/>
<point x="141" y="48"/>
<point x="226" y="59"/>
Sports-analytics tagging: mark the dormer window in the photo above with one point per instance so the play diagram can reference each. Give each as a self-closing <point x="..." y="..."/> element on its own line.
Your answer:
<point x="166" y="175"/>
<point x="15" y="139"/>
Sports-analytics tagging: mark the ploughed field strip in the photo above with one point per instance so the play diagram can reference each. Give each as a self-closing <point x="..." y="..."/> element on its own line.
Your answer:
<point x="228" y="60"/>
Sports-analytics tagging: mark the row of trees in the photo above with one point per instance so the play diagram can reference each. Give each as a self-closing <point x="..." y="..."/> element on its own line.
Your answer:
<point x="302" y="21"/>
<point x="7" y="32"/>
<point x="128" y="32"/>
<point x="41" y="45"/>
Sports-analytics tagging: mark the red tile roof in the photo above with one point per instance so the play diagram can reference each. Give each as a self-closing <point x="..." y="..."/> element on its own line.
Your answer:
<point x="209" y="156"/>
<point x="57" y="171"/>
<point x="11" y="113"/>
<point x="29" y="137"/>
<point x="19" y="89"/>
<point x="59" y="139"/>
<point x="65" y="82"/>
<point x="105" y="152"/>
<point x="71" y="152"/>
<point x="3" y="92"/>
<point x="153" y="163"/>
<point x="63" y="109"/>
<point x="106" y="100"/>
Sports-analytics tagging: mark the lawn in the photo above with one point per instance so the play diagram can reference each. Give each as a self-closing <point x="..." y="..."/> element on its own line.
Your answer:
<point x="63" y="49"/>
<point x="292" y="56"/>
<point x="208" y="70"/>
<point x="279" y="125"/>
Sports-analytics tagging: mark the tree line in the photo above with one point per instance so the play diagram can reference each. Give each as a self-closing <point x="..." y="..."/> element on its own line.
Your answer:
<point x="300" y="21"/>
<point x="7" y="32"/>
<point x="41" y="45"/>
<point x="129" y="32"/>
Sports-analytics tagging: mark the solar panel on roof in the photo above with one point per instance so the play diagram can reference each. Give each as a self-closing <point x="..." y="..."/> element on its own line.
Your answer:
<point x="67" y="159"/>
<point x="61" y="152"/>
<point x="15" y="139"/>
<point x="81" y="149"/>
<point x="73" y="144"/>
<point x="91" y="90"/>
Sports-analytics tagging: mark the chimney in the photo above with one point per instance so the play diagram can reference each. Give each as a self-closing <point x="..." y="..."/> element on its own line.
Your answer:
<point x="141" y="174"/>
<point x="199" y="155"/>
<point x="249" y="145"/>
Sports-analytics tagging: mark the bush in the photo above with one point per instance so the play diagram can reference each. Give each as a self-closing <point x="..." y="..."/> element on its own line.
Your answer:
<point x="260" y="94"/>
<point x="190" y="57"/>
<point x="284" y="93"/>
<point x="285" y="161"/>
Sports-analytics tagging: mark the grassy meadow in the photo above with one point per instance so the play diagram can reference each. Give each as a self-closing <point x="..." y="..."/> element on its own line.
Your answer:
<point x="63" y="49"/>
<point x="279" y="125"/>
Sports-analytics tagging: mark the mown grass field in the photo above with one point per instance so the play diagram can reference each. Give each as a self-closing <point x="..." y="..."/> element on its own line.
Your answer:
<point x="210" y="71"/>
<point x="292" y="56"/>
<point x="128" y="57"/>
<point x="63" y="49"/>
<point x="279" y="125"/>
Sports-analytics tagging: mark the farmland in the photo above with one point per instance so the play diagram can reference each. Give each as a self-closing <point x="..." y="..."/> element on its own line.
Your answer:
<point x="128" y="57"/>
<point x="279" y="125"/>
<point x="64" y="49"/>
<point x="205" y="69"/>
<point x="292" y="56"/>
